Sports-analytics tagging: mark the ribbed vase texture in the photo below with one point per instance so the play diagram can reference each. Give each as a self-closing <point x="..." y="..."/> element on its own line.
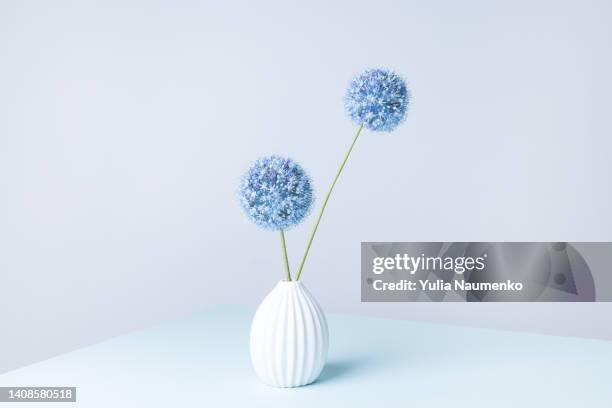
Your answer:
<point x="289" y="337"/>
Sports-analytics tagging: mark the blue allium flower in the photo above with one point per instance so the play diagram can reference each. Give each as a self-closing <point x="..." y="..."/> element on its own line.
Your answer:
<point x="377" y="99"/>
<point x="276" y="193"/>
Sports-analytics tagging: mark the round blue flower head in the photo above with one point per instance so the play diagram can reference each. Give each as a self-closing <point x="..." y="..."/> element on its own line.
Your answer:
<point x="276" y="193"/>
<point x="377" y="99"/>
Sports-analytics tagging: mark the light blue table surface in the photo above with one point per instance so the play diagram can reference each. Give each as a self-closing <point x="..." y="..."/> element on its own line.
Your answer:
<point x="203" y="361"/>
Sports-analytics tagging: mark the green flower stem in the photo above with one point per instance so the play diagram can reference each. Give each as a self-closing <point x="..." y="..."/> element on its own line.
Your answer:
<point x="331" y="188"/>
<point x="284" y="244"/>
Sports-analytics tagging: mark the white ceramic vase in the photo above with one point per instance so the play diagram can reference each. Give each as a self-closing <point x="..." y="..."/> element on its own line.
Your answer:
<point x="289" y="337"/>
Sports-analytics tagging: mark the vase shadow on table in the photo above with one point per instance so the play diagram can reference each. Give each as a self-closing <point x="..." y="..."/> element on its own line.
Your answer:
<point x="343" y="369"/>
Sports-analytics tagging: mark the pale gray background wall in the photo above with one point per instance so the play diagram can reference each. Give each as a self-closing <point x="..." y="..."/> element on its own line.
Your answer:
<point x="126" y="125"/>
